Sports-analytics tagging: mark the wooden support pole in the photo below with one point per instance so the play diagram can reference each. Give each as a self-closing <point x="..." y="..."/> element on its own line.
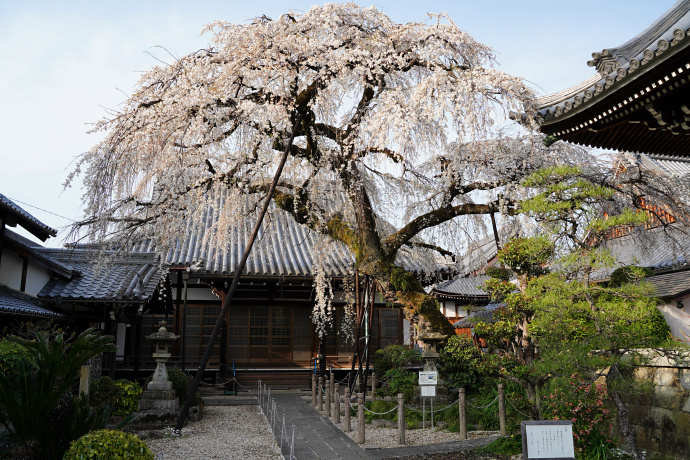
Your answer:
<point x="313" y="390"/>
<point x="360" y="418"/>
<point x="348" y="412"/>
<point x="329" y="397"/>
<point x="462" y="418"/>
<point x="337" y="403"/>
<point x="331" y="386"/>
<point x="401" y="419"/>
<point x="321" y="393"/>
<point x="502" y="409"/>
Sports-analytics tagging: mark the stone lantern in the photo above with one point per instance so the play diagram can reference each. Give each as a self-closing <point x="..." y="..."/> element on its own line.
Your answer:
<point x="162" y="339"/>
<point x="429" y="353"/>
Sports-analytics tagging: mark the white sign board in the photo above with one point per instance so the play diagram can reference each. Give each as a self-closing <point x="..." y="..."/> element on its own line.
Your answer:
<point x="548" y="440"/>
<point x="428" y="390"/>
<point x="428" y="378"/>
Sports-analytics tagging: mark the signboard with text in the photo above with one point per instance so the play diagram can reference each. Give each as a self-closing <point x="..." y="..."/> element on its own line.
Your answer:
<point x="428" y="390"/>
<point x="547" y="440"/>
<point x="428" y="378"/>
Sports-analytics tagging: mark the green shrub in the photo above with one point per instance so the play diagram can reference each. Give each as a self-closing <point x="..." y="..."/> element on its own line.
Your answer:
<point x="394" y="356"/>
<point x="180" y="382"/>
<point x="107" y="444"/>
<point x="459" y="362"/>
<point x="11" y="354"/>
<point x="121" y="396"/>
<point x="128" y="398"/>
<point x="103" y="391"/>
<point x="38" y="408"/>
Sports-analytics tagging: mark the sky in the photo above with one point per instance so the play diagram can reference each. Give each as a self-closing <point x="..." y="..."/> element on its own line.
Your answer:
<point x="63" y="63"/>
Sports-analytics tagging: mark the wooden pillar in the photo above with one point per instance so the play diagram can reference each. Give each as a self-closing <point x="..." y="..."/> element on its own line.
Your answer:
<point x="462" y="419"/>
<point x="348" y="412"/>
<point x="331" y="386"/>
<point x="401" y="419"/>
<point x="222" y="370"/>
<point x="321" y="394"/>
<point x="502" y="409"/>
<point x="313" y="390"/>
<point x="337" y="403"/>
<point x="137" y="345"/>
<point x="360" y="419"/>
<point x="113" y="355"/>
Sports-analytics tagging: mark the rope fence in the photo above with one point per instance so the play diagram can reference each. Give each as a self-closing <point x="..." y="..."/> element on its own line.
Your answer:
<point x="323" y="397"/>
<point x="345" y="403"/>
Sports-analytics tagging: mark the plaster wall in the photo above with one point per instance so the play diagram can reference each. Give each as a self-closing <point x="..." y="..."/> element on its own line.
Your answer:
<point x="678" y="319"/>
<point x="11" y="269"/>
<point x="36" y="278"/>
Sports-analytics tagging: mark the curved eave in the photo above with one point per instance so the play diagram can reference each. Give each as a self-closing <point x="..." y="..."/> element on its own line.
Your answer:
<point x="643" y="112"/>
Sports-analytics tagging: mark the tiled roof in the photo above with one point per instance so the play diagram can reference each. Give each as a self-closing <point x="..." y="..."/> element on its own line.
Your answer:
<point x="669" y="164"/>
<point x="17" y="241"/>
<point x="127" y="278"/>
<point x="484" y="315"/>
<point x="17" y="303"/>
<point x="624" y="62"/>
<point x="283" y="248"/>
<point x="478" y="255"/>
<point x="671" y="284"/>
<point x="658" y="248"/>
<point x="470" y="286"/>
<point x="19" y="216"/>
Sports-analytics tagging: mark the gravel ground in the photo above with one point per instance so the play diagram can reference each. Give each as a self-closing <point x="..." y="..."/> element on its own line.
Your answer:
<point x="227" y="432"/>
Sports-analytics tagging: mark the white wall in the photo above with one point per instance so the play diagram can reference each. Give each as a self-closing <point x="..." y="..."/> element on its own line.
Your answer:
<point x="678" y="319"/>
<point x="36" y="278"/>
<point x="11" y="269"/>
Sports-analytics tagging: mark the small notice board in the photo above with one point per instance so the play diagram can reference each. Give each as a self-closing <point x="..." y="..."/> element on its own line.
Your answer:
<point x="547" y="440"/>
<point x="427" y="383"/>
<point x="428" y="378"/>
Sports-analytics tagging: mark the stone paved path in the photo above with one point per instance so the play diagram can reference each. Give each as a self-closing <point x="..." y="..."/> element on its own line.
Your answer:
<point x="316" y="437"/>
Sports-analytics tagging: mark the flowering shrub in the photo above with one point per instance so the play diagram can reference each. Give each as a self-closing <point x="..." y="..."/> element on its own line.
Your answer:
<point x="583" y="403"/>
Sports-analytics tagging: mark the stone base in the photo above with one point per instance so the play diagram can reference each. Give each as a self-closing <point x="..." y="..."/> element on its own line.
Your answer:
<point x="159" y="405"/>
<point x="152" y="420"/>
<point x="158" y="394"/>
<point x="157" y="385"/>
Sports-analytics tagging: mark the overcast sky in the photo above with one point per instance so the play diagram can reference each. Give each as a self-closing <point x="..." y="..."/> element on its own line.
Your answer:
<point x="63" y="62"/>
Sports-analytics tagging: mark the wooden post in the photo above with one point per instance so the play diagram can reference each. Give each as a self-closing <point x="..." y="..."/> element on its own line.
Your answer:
<point x="313" y="390"/>
<point x="337" y="403"/>
<point x="348" y="412"/>
<point x="401" y="419"/>
<point x="462" y="419"/>
<point x="331" y="387"/>
<point x="360" y="418"/>
<point x="373" y="386"/>
<point x="502" y="409"/>
<point x="321" y="393"/>
<point x="85" y="380"/>
<point x="329" y="396"/>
